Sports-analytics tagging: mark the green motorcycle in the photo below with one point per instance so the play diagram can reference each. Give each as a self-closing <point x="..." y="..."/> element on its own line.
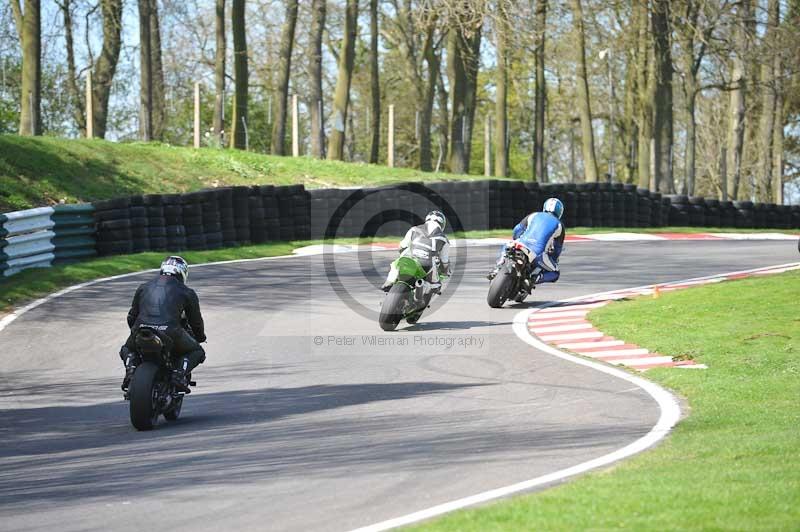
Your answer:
<point x="410" y="292"/>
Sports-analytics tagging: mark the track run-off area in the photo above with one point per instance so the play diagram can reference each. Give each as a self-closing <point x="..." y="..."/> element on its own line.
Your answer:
<point x="306" y="415"/>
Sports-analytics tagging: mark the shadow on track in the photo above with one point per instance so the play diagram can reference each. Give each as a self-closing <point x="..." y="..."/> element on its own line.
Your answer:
<point x="453" y="325"/>
<point x="65" y="453"/>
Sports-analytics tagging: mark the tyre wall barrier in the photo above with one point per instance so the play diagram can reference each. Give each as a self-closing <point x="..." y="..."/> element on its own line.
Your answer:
<point x="210" y="219"/>
<point x="214" y="218"/>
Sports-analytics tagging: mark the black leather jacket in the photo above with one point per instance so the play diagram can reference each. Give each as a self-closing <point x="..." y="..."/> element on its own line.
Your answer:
<point x="165" y="301"/>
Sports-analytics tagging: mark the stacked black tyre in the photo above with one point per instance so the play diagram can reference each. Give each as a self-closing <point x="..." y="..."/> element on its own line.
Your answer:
<point x="656" y="211"/>
<point x="226" y="216"/>
<point x="630" y="205"/>
<point x="257" y="213"/>
<point x="727" y="214"/>
<point x="156" y="223"/>
<point x="697" y="211"/>
<point x="678" y="210"/>
<point x="192" y="211"/>
<point x="745" y="214"/>
<point x="173" y="220"/>
<point x="713" y="213"/>
<point x="212" y="222"/>
<point x="241" y="213"/>
<point x="618" y="204"/>
<point x="140" y="233"/>
<point x="585" y="194"/>
<point x="113" y="225"/>
<point x="643" y="207"/>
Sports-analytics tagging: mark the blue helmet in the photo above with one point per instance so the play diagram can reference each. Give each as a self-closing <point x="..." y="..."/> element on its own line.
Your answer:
<point x="554" y="207"/>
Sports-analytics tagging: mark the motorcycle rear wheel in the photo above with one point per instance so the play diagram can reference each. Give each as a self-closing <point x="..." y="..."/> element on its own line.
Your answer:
<point x="392" y="308"/>
<point x="143" y="401"/>
<point x="500" y="288"/>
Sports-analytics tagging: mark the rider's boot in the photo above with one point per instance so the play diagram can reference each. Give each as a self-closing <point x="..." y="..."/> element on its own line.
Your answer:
<point x="179" y="377"/>
<point x="131" y="361"/>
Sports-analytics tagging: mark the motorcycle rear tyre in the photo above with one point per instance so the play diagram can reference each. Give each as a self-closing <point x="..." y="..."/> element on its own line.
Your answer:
<point x="392" y="308"/>
<point x="499" y="289"/>
<point x="143" y="411"/>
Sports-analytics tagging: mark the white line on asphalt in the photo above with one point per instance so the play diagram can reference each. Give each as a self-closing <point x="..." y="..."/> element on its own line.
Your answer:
<point x="567" y="314"/>
<point x="562" y="328"/>
<point x="559" y="310"/>
<point x="614" y="352"/>
<point x="640" y="361"/>
<point x="670" y="413"/>
<point x="571" y="336"/>
<point x="585" y="345"/>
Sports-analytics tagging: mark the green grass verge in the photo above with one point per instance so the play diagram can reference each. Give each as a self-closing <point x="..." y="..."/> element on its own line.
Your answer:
<point x="733" y="463"/>
<point x="36" y="171"/>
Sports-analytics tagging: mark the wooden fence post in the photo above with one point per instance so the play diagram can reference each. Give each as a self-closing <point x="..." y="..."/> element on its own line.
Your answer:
<point x="487" y="146"/>
<point x="197" y="115"/>
<point x="295" y="128"/>
<point x="89" y="107"/>
<point x="390" y="144"/>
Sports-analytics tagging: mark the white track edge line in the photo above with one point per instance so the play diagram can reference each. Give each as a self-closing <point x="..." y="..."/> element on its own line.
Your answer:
<point x="670" y="415"/>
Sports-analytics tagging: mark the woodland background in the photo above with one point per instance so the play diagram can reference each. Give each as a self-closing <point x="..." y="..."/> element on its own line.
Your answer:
<point x="699" y="97"/>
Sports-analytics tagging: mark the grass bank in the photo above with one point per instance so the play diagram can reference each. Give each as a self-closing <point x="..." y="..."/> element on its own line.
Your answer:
<point x="37" y="171"/>
<point x="733" y="463"/>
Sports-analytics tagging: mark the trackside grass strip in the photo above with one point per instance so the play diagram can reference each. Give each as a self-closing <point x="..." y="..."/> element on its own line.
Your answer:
<point x="734" y="463"/>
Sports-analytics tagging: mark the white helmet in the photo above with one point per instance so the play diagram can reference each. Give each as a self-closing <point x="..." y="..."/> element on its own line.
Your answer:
<point x="437" y="217"/>
<point x="176" y="266"/>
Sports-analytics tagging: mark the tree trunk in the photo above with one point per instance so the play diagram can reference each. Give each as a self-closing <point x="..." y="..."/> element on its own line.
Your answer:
<point x="146" y="73"/>
<point x="374" y="84"/>
<point x="691" y="142"/>
<point x="444" y="117"/>
<point x="779" y="121"/>
<point x="75" y="94"/>
<point x="284" y="70"/>
<point x="500" y="109"/>
<point x="426" y="113"/>
<point x="539" y="173"/>
<point x="584" y="104"/>
<point x="768" y="99"/>
<point x="317" y="104"/>
<point x="219" y="71"/>
<point x="240" y="69"/>
<point x="30" y="36"/>
<point x="462" y="65"/>
<point x="737" y="102"/>
<point x="341" y="98"/>
<point x="157" y="74"/>
<point x="663" y="120"/>
<point x="106" y="65"/>
<point x="631" y="132"/>
<point x="644" y="83"/>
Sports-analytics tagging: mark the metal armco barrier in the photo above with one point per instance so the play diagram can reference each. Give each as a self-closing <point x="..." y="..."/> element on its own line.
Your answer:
<point x="74" y="237"/>
<point x="28" y="240"/>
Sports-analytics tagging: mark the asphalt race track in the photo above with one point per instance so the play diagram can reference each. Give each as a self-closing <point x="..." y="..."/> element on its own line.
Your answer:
<point x="304" y="417"/>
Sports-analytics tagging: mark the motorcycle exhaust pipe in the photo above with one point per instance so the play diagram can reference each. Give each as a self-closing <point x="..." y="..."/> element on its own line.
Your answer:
<point x="419" y="289"/>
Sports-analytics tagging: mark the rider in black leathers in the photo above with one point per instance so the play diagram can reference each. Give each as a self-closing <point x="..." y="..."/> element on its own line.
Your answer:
<point x="169" y="305"/>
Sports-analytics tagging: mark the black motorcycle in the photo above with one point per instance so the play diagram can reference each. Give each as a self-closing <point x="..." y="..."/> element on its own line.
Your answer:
<point x="513" y="279"/>
<point x="151" y="391"/>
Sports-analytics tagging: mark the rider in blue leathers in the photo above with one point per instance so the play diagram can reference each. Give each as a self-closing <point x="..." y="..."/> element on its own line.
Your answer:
<point x="542" y="233"/>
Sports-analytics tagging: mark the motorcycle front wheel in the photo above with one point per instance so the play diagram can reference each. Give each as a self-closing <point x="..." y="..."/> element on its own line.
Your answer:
<point x="500" y="288"/>
<point x="143" y="397"/>
<point x="393" y="305"/>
